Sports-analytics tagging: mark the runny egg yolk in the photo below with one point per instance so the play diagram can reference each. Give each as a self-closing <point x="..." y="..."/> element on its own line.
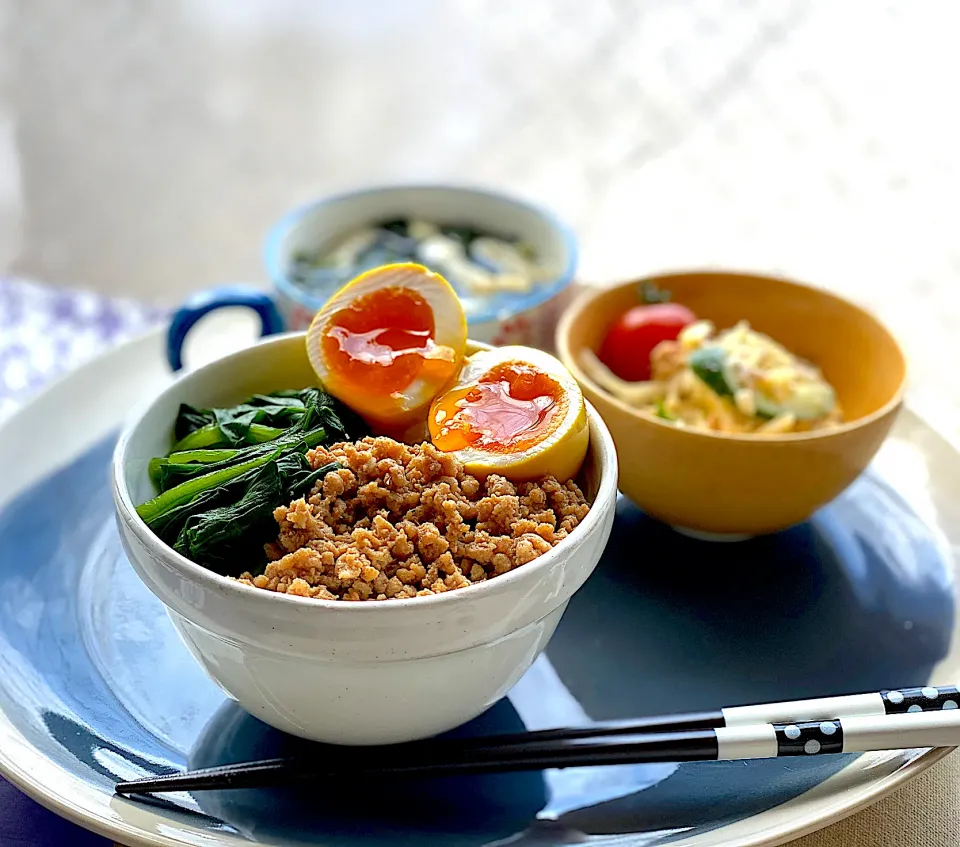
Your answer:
<point x="510" y="408"/>
<point x="382" y="341"/>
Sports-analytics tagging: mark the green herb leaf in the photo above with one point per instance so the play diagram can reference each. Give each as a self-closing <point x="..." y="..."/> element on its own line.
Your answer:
<point x="650" y="294"/>
<point x="663" y="413"/>
<point x="708" y="364"/>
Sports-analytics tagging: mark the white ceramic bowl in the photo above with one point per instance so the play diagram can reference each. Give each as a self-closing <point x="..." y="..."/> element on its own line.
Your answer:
<point x="350" y="673"/>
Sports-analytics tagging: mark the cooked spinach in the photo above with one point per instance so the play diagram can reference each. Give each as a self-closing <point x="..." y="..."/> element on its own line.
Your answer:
<point x="261" y="418"/>
<point x="211" y="435"/>
<point x="231" y="537"/>
<point x="168" y="523"/>
<point x="173" y="473"/>
<point x="231" y="467"/>
<point x="201" y="457"/>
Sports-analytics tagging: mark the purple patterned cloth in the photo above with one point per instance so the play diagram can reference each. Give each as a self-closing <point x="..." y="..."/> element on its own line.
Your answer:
<point x="45" y="332"/>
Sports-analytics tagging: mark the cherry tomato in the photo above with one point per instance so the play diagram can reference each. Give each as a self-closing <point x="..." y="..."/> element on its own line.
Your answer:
<point x="629" y="342"/>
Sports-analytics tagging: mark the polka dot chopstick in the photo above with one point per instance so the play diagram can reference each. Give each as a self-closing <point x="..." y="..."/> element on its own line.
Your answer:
<point x="893" y="702"/>
<point x="887" y="702"/>
<point x="889" y="720"/>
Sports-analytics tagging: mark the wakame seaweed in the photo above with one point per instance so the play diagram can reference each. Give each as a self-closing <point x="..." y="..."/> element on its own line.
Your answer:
<point x="231" y="467"/>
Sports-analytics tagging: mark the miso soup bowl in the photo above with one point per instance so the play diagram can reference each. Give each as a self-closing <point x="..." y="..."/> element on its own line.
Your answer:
<point x="725" y="486"/>
<point x="340" y="672"/>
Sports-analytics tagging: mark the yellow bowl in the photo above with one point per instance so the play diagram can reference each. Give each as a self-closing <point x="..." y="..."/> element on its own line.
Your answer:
<point x="721" y="484"/>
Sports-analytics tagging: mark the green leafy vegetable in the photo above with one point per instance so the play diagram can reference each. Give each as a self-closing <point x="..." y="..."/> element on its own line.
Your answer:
<point x="168" y="523"/>
<point x="709" y="364"/>
<point x="174" y="473"/>
<point x="186" y="457"/>
<point x="232" y="467"/>
<point x="219" y="535"/>
<point x="663" y="413"/>
<point x="463" y="234"/>
<point x="211" y="436"/>
<point x="651" y="293"/>
<point x="261" y="418"/>
<point x="203" y="457"/>
<point x="183" y="493"/>
<point x="190" y="420"/>
<point x="231" y="537"/>
<point x="398" y="227"/>
<point x="807" y="402"/>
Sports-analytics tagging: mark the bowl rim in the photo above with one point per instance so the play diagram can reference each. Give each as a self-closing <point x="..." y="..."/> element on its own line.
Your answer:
<point x="277" y="269"/>
<point x="607" y="469"/>
<point x="579" y="306"/>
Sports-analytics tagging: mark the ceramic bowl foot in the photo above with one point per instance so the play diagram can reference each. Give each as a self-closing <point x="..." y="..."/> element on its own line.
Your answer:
<point x="700" y="535"/>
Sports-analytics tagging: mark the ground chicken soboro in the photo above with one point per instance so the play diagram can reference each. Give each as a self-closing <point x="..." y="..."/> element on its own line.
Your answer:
<point x="400" y="521"/>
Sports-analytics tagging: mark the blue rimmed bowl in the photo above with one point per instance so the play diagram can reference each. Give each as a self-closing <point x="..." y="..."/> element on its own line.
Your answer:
<point x="503" y="318"/>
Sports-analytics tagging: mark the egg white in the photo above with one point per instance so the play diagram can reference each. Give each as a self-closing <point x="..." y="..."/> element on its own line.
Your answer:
<point x="561" y="452"/>
<point x="450" y="331"/>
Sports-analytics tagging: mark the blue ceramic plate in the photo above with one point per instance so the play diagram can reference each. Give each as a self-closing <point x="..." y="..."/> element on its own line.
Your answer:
<point x="96" y="687"/>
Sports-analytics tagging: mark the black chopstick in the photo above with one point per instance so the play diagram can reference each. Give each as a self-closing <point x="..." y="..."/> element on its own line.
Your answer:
<point x="440" y="760"/>
<point x="858" y="733"/>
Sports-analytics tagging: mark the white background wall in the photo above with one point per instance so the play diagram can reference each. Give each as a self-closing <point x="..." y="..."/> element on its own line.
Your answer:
<point x="146" y="147"/>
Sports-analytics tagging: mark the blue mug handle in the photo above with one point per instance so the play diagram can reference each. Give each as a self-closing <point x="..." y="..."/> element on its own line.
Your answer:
<point x="208" y="301"/>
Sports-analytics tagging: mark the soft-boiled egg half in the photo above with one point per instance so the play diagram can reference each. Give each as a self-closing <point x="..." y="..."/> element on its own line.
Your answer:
<point x="513" y="411"/>
<point x="387" y="342"/>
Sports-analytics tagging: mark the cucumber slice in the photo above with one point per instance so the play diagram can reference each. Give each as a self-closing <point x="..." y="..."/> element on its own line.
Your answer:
<point x="710" y="364"/>
<point x="767" y="408"/>
<point x="809" y="401"/>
